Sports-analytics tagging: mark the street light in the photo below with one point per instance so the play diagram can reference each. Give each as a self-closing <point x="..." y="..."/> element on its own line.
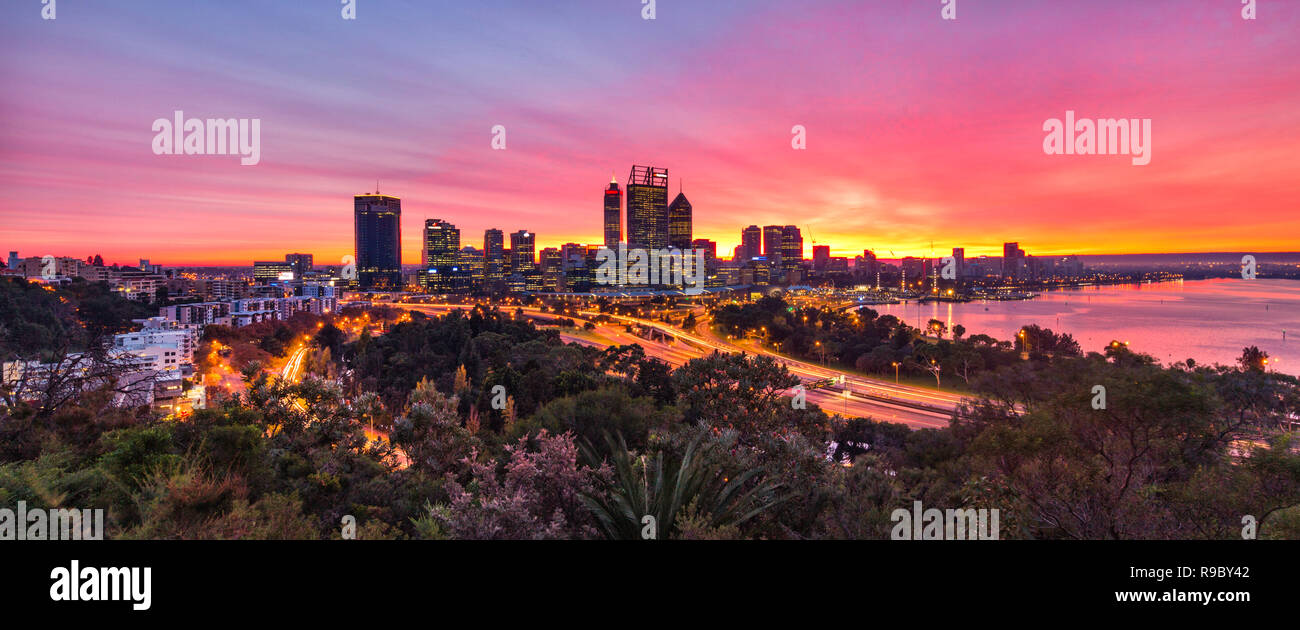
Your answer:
<point x="895" y="364"/>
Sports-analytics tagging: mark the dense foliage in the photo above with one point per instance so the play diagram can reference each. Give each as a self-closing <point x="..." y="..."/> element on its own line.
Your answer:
<point x="479" y="425"/>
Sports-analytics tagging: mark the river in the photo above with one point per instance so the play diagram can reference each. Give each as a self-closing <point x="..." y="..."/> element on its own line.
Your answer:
<point x="1206" y="320"/>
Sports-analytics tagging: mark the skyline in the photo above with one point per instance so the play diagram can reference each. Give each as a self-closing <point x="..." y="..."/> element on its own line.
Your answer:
<point x="936" y="136"/>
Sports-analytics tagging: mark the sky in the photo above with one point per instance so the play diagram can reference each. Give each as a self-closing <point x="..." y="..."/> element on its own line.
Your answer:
<point x="919" y="130"/>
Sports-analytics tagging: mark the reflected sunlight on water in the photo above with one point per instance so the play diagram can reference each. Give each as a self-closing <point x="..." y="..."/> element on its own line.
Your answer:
<point x="1206" y="320"/>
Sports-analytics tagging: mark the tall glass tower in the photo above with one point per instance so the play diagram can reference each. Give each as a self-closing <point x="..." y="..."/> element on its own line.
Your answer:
<point x="647" y="207"/>
<point x="613" y="214"/>
<point x="679" y="222"/>
<point x="378" y="228"/>
<point x="441" y="256"/>
<point x="494" y="258"/>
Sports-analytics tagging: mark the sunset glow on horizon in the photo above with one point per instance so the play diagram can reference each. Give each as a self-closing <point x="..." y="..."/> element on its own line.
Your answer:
<point x="919" y="130"/>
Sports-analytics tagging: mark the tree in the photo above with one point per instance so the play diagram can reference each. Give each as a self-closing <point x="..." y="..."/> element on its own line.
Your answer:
<point x="733" y="390"/>
<point x="1253" y="359"/>
<point x="542" y="494"/>
<point x="651" y="486"/>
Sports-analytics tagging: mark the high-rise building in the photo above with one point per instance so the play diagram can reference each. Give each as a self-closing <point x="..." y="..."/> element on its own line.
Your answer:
<point x="791" y="247"/>
<point x="1012" y="260"/>
<point x="494" y="261"/>
<point x="552" y="270"/>
<point x="301" y="263"/>
<point x="378" y="229"/>
<point x="647" y="207"/>
<point x="272" y="271"/>
<point x="821" y="257"/>
<point x="523" y="256"/>
<point x="959" y="256"/>
<point x="710" y="247"/>
<point x="711" y="265"/>
<point x="440" y="257"/>
<point x="679" y="222"/>
<point x="472" y="263"/>
<point x="613" y="214"/>
<point x="773" y="236"/>
<point x="751" y="242"/>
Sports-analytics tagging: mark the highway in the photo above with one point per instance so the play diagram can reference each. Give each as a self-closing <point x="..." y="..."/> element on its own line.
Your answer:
<point x="916" y="407"/>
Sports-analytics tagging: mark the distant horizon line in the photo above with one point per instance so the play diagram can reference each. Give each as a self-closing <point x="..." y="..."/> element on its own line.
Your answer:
<point x="895" y="258"/>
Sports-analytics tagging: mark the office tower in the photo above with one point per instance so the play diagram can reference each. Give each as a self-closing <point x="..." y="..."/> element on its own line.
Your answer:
<point x="773" y="237"/>
<point x="959" y="255"/>
<point x="378" y="228"/>
<point x="271" y="271"/>
<point x="494" y="258"/>
<point x="679" y="222"/>
<point x="13" y="260"/>
<point x="440" y="256"/>
<point x="821" y="257"/>
<point x="613" y="214"/>
<point x="552" y="270"/>
<point x="522" y="251"/>
<point x="1012" y="260"/>
<point x="301" y="263"/>
<point x="471" y="263"/>
<point x="710" y="247"/>
<point x="711" y="264"/>
<point x="647" y="207"/>
<point x="791" y="247"/>
<point x="870" y="265"/>
<point x="751" y="242"/>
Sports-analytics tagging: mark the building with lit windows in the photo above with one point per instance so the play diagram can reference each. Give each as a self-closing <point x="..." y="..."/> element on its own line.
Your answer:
<point x="647" y="208"/>
<point x="378" y="231"/>
<point x="613" y="214"/>
<point x="679" y="222"/>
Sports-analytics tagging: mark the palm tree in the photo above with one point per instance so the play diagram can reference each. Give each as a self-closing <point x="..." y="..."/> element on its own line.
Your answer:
<point x="660" y="490"/>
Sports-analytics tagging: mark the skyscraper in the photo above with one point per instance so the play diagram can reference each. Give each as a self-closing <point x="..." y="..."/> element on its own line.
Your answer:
<point x="647" y="207"/>
<point x="523" y="251"/>
<point x="613" y="214"/>
<point x="773" y="237"/>
<point x="378" y="227"/>
<point x="791" y="247"/>
<point x="1012" y="260"/>
<point x="821" y="257"/>
<point x="440" y="256"/>
<point x="751" y="242"/>
<point x="494" y="260"/>
<point x="302" y="263"/>
<point x="679" y="222"/>
<point x="552" y="270"/>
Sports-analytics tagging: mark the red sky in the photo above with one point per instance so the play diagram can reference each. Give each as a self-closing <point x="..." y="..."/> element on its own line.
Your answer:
<point x="918" y="129"/>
